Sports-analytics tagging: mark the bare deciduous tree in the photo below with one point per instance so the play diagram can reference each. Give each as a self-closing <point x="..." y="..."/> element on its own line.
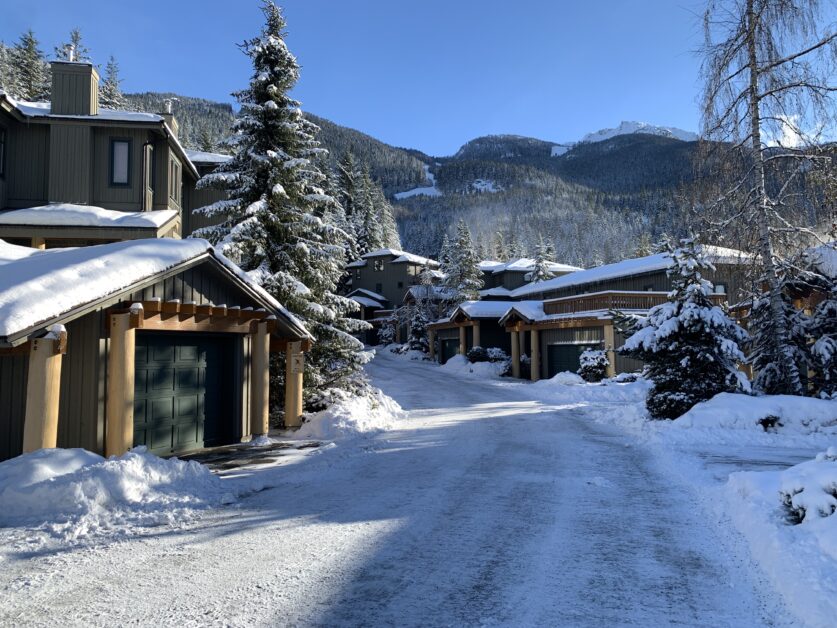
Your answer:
<point x="768" y="102"/>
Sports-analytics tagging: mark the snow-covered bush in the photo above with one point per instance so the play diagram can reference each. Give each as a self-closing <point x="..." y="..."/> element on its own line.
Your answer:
<point x="594" y="365"/>
<point x="809" y="490"/>
<point x="690" y="346"/>
<point x="491" y="354"/>
<point x="822" y="328"/>
<point x="386" y="333"/>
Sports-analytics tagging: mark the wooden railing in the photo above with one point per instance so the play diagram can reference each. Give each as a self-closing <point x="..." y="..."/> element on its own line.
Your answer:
<point x="612" y="300"/>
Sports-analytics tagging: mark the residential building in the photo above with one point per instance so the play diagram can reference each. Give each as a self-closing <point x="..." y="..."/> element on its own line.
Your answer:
<point x="161" y="343"/>
<point x="501" y="278"/>
<point x="389" y="273"/>
<point x="75" y="174"/>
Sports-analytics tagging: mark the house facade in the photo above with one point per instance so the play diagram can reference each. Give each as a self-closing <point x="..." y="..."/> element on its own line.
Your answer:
<point x="161" y="343"/>
<point x="75" y="174"/>
<point x="501" y="278"/>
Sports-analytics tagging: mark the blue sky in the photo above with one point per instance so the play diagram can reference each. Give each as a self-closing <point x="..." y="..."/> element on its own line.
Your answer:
<point x="429" y="75"/>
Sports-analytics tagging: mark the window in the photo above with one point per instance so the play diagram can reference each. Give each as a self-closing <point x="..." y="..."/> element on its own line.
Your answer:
<point x="400" y="284"/>
<point x="648" y="288"/>
<point x="378" y="265"/>
<point x="357" y="274"/>
<point x="120" y="162"/>
<point x="2" y="152"/>
<point x="174" y="180"/>
<point x="379" y="288"/>
<point x="720" y="288"/>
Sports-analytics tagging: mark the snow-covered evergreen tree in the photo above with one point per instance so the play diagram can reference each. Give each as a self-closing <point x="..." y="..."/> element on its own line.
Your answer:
<point x="110" y="93"/>
<point x="368" y="229"/>
<point x="690" y="347"/>
<point x="347" y="175"/>
<point x="32" y="77"/>
<point x="276" y="217"/>
<point x="8" y="77"/>
<point x="500" y="252"/>
<point x="822" y="327"/>
<point x="593" y="365"/>
<point x="73" y="50"/>
<point x="463" y="277"/>
<point x="542" y="270"/>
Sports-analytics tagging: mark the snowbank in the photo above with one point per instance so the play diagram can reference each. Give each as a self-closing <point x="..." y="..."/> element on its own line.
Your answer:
<point x="800" y="560"/>
<point x="568" y="387"/>
<point x="350" y="417"/>
<point x="795" y="416"/>
<point x="460" y="365"/>
<point x="72" y="493"/>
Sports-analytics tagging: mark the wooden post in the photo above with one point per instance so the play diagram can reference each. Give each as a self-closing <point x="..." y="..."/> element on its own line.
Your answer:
<point x="260" y="380"/>
<point x="119" y="425"/>
<point x="397" y="332"/>
<point x="38" y="243"/>
<point x="610" y="349"/>
<point x="515" y="349"/>
<point x="536" y="355"/>
<point x="43" y="389"/>
<point x="431" y="338"/>
<point x="294" y="368"/>
<point x="463" y="341"/>
<point x="477" y="334"/>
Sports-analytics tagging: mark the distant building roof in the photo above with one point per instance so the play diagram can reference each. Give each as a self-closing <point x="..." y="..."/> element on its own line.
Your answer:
<point x="637" y="266"/>
<point x="524" y="265"/>
<point x="401" y="257"/>
<point x="368" y="293"/>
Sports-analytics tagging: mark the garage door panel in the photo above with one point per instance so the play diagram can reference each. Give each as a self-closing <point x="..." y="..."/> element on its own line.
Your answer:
<point x="184" y="391"/>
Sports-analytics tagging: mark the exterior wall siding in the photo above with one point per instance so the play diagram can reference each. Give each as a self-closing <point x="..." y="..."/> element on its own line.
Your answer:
<point x="70" y="147"/>
<point x="389" y="278"/>
<point x="74" y="89"/>
<point x="13" y="374"/>
<point x="27" y="172"/>
<point x="193" y="199"/>
<point x="493" y="335"/>
<point x="121" y="198"/>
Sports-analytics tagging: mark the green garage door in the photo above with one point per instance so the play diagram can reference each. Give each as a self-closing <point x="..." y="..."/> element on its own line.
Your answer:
<point x="184" y="391"/>
<point x="450" y="347"/>
<point x="562" y="358"/>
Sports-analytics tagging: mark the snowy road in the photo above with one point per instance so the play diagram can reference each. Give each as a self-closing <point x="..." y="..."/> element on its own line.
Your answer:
<point x="482" y="509"/>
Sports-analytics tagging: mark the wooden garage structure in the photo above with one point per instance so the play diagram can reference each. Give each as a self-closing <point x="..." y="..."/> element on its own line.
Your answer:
<point x="471" y="324"/>
<point x="162" y="343"/>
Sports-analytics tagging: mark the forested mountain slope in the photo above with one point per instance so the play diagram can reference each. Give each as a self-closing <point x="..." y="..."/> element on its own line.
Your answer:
<point x="595" y="199"/>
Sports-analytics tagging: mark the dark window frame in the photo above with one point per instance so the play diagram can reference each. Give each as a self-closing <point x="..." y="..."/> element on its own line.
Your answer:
<point x="715" y="288"/>
<point x="175" y="173"/>
<point x="130" y="143"/>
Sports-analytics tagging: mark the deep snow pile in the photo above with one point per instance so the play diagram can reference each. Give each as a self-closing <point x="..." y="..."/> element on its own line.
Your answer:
<point x="788" y="518"/>
<point x="71" y="493"/>
<point x="362" y="415"/>
<point x="460" y="365"/>
<point x="735" y="416"/>
<point x="569" y="387"/>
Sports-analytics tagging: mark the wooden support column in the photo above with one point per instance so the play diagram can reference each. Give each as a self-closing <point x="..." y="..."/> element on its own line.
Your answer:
<point x="536" y="355"/>
<point x="260" y="380"/>
<point x="463" y="340"/>
<point x="43" y="389"/>
<point x="38" y="243"/>
<point x="515" y="356"/>
<point x="477" y="334"/>
<point x="610" y="349"/>
<point x="431" y="338"/>
<point x="397" y="332"/>
<point x="294" y="368"/>
<point x="119" y="425"/>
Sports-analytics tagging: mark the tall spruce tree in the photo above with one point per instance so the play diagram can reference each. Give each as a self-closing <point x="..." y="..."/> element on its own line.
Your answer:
<point x="542" y="270"/>
<point x="463" y="277"/>
<point x="822" y="328"/>
<point x="277" y="215"/>
<point x="32" y="78"/>
<point x="73" y="50"/>
<point x="8" y="78"/>
<point x="110" y="93"/>
<point x="690" y="347"/>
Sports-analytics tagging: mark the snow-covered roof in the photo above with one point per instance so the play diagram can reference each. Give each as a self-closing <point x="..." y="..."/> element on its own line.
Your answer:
<point x="401" y="257"/>
<point x="489" y="265"/>
<point x="70" y="215"/>
<point x="527" y="264"/>
<point x="824" y="258"/>
<point x="441" y="293"/>
<point x="499" y="291"/>
<point x="358" y="263"/>
<point x="368" y="293"/>
<point x="481" y="309"/>
<point x="203" y="157"/>
<point x="628" y="267"/>
<point x="39" y="287"/>
<point x="366" y="302"/>
<point x="44" y="110"/>
<point x="14" y="252"/>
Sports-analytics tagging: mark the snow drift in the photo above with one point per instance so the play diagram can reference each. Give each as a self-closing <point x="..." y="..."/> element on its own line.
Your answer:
<point x="363" y="415"/>
<point x="460" y="365"/>
<point x="72" y="492"/>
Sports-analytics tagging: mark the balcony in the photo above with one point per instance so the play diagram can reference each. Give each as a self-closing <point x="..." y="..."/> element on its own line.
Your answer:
<point x="612" y="300"/>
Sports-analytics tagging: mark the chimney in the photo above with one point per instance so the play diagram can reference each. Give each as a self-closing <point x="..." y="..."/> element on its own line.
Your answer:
<point x="75" y="89"/>
<point x="168" y="115"/>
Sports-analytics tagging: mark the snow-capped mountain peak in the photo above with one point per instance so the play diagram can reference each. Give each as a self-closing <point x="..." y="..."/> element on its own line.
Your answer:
<point x="628" y="127"/>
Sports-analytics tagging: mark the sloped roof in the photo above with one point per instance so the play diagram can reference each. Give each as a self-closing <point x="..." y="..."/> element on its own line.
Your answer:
<point x="366" y="302"/>
<point x="204" y="157"/>
<point x="36" y="289"/>
<point x="71" y="215"/>
<point x="637" y="266"/>
<point x="368" y="293"/>
<point x="401" y="257"/>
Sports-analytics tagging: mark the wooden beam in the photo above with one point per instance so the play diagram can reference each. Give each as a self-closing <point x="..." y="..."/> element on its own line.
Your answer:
<point x="43" y="390"/>
<point x="515" y="353"/>
<point x="463" y="341"/>
<point x="476" y="326"/>
<point x="431" y="337"/>
<point x="119" y="422"/>
<point x="610" y="349"/>
<point x="260" y="381"/>
<point x="535" y="374"/>
<point x="294" y="369"/>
